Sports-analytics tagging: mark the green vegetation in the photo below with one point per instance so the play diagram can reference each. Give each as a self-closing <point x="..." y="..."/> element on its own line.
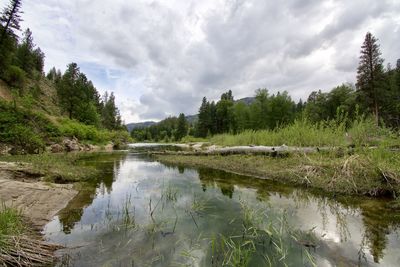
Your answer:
<point x="374" y="172"/>
<point x="302" y="132"/>
<point x="17" y="241"/>
<point x="168" y="130"/>
<point x="59" y="168"/>
<point x="10" y="223"/>
<point x="44" y="109"/>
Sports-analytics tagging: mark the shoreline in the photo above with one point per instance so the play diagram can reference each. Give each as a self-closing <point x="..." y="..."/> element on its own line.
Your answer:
<point x="347" y="175"/>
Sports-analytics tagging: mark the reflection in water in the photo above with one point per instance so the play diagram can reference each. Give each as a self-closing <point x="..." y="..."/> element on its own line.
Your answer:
<point x="146" y="213"/>
<point x="109" y="165"/>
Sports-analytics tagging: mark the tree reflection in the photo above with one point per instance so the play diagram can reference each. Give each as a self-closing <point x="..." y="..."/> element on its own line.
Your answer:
<point x="109" y="166"/>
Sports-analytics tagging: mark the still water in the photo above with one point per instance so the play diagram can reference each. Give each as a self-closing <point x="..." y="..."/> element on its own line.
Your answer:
<point x="141" y="212"/>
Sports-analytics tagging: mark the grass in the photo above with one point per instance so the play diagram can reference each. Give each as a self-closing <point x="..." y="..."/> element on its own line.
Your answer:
<point x="10" y="222"/>
<point x="363" y="132"/>
<point x="373" y="172"/>
<point x="59" y="168"/>
<point x="18" y="245"/>
<point x="363" y="160"/>
<point x="262" y="241"/>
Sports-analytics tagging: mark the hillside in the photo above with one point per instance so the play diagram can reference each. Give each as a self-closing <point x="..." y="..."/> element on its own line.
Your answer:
<point x="32" y="120"/>
<point x="137" y="125"/>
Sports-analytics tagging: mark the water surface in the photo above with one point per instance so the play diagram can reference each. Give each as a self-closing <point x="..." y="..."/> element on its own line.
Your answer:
<point x="144" y="213"/>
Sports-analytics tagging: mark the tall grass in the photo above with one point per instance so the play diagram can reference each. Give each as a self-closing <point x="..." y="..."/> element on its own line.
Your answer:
<point x="362" y="132"/>
<point x="10" y="221"/>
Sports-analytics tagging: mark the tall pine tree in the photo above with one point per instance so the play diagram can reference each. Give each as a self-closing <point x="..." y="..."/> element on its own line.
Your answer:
<point x="369" y="74"/>
<point x="10" y="19"/>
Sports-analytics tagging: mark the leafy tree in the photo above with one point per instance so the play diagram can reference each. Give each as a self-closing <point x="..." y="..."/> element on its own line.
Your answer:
<point x="225" y="118"/>
<point x="370" y="74"/>
<point x="282" y="110"/>
<point x="242" y="115"/>
<point x="260" y="109"/>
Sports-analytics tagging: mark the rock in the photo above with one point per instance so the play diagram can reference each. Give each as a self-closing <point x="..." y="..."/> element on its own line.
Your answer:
<point x="5" y="149"/>
<point x="109" y="147"/>
<point x="56" y="148"/>
<point x="71" y="144"/>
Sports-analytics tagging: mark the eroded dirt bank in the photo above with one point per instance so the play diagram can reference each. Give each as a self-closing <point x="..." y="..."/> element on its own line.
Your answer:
<point x="23" y="190"/>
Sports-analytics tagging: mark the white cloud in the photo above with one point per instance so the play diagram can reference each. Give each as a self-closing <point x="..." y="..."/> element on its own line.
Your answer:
<point x="161" y="57"/>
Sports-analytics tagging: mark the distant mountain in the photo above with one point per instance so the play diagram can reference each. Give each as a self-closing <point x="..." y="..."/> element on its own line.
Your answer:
<point x="136" y="125"/>
<point x="192" y="118"/>
<point x="246" y="100"/>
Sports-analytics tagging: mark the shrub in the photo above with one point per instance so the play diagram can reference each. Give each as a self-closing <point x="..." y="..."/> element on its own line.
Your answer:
<point x="15" y="77"/>
<point x="73" y="128"/>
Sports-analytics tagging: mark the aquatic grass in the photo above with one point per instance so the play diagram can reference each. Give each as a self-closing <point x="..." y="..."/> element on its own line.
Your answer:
<point x="261" y="240"/>
<point x="170" y="193"/>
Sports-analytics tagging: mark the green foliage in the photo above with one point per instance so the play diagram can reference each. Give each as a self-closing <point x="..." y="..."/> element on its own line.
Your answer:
<point x="73" y="128"/>
<point x="370" y="75"/>
<point x="10" y="221"/>
<point x="110" y="113"/>
<point x="301" y="133"/>
<point x="182" y="127"/>
<point x="60" y="168"/>
<point x="119" y="138"/>
<point x="26" y="130"/>
<point x="326" y="106"/>
<point x="15" y="77"/>
<point x="164" y="131"/>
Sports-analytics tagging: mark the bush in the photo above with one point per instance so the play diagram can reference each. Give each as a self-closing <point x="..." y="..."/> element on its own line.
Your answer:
<point x="25" y="140"/>
<point x="72" y="128"/>
<point x="119" y="138"/>
<point x="15" y="77"/>
<point x="28" y="131"/>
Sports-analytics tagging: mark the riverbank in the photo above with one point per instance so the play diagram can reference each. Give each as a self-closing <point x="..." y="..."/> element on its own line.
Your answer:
<point x="365" y="172"/>
<point x="33" y="189"/>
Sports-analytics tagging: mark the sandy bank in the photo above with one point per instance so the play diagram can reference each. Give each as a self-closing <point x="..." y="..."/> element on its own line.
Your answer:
<point x="23" y="190"/>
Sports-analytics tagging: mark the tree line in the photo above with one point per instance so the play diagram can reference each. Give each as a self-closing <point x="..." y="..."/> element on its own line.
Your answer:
<point x="376" y="93"/>
<point x="169" y="129"/>
<point x="21" y="60"/>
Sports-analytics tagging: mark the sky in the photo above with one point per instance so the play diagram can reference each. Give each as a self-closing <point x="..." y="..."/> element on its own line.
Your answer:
<point x="161" y="57"/>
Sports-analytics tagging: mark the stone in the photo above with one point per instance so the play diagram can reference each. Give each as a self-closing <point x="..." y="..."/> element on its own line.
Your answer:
<point x="56" y="148"/>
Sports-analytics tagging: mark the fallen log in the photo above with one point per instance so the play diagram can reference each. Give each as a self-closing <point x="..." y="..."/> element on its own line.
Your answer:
<point x="274" y="151"/>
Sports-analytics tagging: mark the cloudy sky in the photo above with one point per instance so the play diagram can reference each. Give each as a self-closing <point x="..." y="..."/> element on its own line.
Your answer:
<point x="161" y="57"/>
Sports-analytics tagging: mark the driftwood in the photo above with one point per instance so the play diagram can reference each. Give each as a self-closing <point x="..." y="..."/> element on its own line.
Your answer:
<point x="274" y="151"/>
<point x="26" y="251"/>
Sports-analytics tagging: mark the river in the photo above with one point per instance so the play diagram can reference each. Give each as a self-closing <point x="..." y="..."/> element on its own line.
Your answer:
<point x="144" y="213"/>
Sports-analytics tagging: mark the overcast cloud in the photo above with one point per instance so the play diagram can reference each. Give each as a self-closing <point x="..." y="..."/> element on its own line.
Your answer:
<point x="161" y="57"/>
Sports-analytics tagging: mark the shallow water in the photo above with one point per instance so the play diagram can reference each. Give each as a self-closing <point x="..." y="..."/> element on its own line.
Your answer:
<point x="144" y="213"/>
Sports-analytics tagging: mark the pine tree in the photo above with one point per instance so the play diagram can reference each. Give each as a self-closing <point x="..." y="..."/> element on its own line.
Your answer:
<point x="182" y="128"/>
<point x="25" y="53"/>
<point x="203" y="123"/>
<point x="68" y="90"/>
<point x="10" y="19"/>
<point x="369" y="74"/>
